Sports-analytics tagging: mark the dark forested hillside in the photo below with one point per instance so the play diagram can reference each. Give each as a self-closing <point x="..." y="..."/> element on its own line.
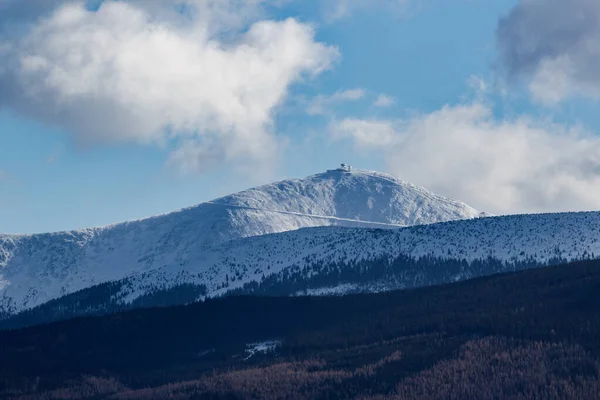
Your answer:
<point x="532" y="334"/>
<point x="364" y="276"/>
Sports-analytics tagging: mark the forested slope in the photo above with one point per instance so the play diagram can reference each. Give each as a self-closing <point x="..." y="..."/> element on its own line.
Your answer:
<point x="519" y="335"/>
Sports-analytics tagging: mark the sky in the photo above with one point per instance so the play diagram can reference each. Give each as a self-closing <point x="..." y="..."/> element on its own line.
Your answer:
<point x="117" y="110"/>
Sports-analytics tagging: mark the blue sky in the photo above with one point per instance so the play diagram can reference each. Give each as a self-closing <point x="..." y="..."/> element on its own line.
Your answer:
<point x="469" y="118"/>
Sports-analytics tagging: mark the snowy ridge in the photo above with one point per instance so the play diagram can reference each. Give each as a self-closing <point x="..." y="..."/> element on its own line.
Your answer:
<point x="342" y="221"/>
<point x="38" y="268"/>
<point x="510" y="242"/>
<point x="539" y="239"/>
<point x="354" y="195"/>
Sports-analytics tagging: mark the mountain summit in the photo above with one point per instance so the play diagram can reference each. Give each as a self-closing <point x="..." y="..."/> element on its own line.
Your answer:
<point x="37" y="268"/>
<point x="342" y="197"/>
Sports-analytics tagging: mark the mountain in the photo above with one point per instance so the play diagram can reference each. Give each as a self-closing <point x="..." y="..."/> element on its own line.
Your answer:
<point x="526" y="335"/>
<point x="37" y="268"/>
<point x="335" y="260"/>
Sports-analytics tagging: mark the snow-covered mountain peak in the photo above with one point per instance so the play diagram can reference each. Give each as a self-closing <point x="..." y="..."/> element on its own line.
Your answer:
<point x="36" y="268"/>
<point x="349" y="194"/>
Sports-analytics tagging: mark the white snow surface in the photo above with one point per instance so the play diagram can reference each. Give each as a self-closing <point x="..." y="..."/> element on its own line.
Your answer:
<point x="540" y="237"/>
<point x="543" y="237"/>
<point x="37" y="268"/>
<point x="267" y="346"/>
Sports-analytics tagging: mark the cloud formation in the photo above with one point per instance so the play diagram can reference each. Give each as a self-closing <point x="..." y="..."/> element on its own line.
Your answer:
<point x="336" y="10"/>
<point x="16" y="11"/>
<point x="496" y="166"/>
<point x="322" y="104"/>
<point x="384" y="101"/>
<point x="204" y="77"/>
<point x="554" y="45"/>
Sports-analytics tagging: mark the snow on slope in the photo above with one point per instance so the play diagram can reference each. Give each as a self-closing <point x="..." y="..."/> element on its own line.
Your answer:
<point x="541" y="238"/>
<point x="353" y="195"/>
<point x="37" y="268"/>
<point x="538" y="239"/>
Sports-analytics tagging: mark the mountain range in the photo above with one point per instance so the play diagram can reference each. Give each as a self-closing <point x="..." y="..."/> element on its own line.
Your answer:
<point x="41" y="267"/>
<point x="342" y="231"/>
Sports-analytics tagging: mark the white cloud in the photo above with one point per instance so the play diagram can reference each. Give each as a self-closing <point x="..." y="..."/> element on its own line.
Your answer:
<point x="496" y="166"/>
<point x="208" y="80"/>
<point x="322" y="104"/>
<point x="340" y="9"/>
<point x="554" y="45"/>
<point x="231" y="13"/>
<point x="551" y="83"/>
<point x="367" y="134"/>
<point x="384" y="101"/>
